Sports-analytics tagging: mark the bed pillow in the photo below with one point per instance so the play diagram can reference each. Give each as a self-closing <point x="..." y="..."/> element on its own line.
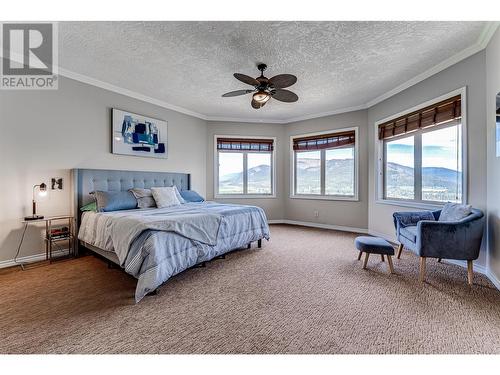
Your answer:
<point x="178" y="195"/>
<point x="455" y="212"/>
<point x="144" y="197"/>
<point x="165" y="196"/>
<point x="191" y="196"/>
<point x="92" y="206"/>
<point x="114" y="200"/>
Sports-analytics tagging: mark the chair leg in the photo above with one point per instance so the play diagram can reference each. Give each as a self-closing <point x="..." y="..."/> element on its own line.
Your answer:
<point x="359" y="255"/>
<point x="422" y="269"/>
<point x="470" y="272"/>
<point x="400" y="249"/>
<point x="382" y="257"/>
<point x="389" y="262"/>
<point x="366" y="260"/>
<point x="439" y="260"/>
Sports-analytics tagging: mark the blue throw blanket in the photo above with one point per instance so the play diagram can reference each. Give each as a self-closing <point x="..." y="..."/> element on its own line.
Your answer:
<point x="155" y="244"/>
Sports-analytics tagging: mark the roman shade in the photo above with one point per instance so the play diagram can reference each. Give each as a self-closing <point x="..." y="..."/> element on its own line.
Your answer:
<point x="438" y="113"/>
<point x="242" y="144"/>
<point x="319" y="142"/>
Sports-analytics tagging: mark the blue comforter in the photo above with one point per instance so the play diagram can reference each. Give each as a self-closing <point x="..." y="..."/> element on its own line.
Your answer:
<point x="155" y="244"/>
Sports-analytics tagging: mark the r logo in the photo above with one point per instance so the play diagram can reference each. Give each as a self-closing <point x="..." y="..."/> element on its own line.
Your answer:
<point x="29" y="56"/>
<point x="27" y="49"/>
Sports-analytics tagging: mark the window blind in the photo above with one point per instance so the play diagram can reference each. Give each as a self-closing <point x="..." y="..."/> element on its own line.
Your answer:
<point x="444" y="111"/>
<point x="242" y="144"/>
<point x="319" y="142"/>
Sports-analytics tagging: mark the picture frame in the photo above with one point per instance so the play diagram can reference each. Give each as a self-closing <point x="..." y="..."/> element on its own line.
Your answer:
<point x="138" y="135"/>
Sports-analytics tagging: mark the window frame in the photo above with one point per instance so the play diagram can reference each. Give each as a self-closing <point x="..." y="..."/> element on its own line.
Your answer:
<point x="380" y="155"/>
<point x="218" y="195"/>
<point x="293" y="167"/>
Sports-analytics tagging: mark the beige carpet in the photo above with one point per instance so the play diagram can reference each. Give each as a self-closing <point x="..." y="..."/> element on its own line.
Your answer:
<point x="304" y="292"/>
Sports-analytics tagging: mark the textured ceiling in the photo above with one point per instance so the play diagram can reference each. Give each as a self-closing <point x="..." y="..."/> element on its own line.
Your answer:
<point x="190" y="64"/>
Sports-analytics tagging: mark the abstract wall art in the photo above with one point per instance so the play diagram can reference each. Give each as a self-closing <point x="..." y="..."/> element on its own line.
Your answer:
<point x="138" y="135"/>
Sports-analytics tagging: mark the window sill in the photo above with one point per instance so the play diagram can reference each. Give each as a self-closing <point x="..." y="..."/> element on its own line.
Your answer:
<point x="427" y="206"/>
<point x="325" y="198"/>
<point x="244" y="196"/>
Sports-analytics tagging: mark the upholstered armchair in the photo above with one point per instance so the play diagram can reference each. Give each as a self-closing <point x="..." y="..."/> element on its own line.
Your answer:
<point x="427" y="237"/>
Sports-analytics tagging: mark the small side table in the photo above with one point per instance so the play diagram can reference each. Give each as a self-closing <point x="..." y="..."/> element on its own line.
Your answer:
<point x="50" y="239"/>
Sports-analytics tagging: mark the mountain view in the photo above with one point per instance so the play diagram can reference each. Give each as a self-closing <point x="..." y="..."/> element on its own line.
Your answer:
<point x="259" y="181"/>
<point x="438" y="184"/>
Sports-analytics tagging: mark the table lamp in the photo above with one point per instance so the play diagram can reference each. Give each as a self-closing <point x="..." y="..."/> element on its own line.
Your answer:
<point x="42" y="191"/>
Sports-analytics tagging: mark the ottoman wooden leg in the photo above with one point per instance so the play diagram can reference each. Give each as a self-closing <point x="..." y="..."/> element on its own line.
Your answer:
<point x="400" y="249"/>
<point x="382" y="257"/>
<point x="389" y="262"/>
<point x="366" y="260"/>
<point x="359" y="255"/>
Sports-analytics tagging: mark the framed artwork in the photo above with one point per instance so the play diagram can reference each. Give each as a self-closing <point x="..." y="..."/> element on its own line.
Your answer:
<point x="497" y="129"/>
<point x="137" y="135"/>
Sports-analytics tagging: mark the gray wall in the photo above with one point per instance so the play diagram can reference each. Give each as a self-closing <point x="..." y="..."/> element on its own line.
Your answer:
<point x="492" y="88"/>
<point x="469" y="72"/>
<point x="274" y="207"/>
<point x="46" y="133"/>
<point x="338" y="213"/>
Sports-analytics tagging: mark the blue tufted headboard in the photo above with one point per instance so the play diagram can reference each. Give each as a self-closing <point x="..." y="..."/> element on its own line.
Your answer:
<point x="85" y="181"/>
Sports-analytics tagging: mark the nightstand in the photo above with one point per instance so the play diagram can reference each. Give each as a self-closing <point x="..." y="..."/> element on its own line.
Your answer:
<point x="58" y="231"/>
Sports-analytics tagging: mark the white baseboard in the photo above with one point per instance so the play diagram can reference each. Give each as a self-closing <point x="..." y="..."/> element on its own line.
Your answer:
<point x="493" y="278"/>
<point x="30" y="258"/>
<point x="390" y="238"/>
<point x="319" y="225"/>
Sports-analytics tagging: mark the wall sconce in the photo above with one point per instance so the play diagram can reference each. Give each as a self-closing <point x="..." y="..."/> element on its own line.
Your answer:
<point x="42" y="191"/>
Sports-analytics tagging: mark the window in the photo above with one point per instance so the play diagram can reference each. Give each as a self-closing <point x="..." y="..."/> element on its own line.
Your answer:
<point x="399" y="168"/>
<point x="422" y="154"/>
<point x="244" y="166"/>
<point x="324" y="165"/>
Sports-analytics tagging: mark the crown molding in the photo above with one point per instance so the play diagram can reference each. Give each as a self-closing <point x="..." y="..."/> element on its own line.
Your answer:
<point x="249" y="120"/>
<point x="481" y="43"/>
<point x="487" y="33"/>
<point x="325" y="114"/>
<point x="428" y="73"/>
<point x="130" y="93"/>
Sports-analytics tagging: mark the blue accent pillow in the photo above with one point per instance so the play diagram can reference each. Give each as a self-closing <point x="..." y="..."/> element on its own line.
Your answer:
<point x="191" y="196"/>
<point x="114" y="200"/>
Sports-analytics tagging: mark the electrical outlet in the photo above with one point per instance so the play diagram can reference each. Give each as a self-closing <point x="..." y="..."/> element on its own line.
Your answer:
<point x="316" y="213"/>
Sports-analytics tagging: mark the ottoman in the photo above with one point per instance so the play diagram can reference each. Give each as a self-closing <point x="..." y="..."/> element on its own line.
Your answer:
<point x="374" y="245"/>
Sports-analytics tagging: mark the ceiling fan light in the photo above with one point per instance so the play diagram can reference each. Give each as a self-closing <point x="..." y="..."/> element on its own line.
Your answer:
<point x="261" y="97"/>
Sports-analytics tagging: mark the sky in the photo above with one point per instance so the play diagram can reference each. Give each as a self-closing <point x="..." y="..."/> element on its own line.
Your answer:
<point x="232" y="162"/>
<point x="439" y="149"/>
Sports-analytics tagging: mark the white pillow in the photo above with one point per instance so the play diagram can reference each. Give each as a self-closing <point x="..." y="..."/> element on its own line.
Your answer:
<point x="178" y="195"/>
<point x="455" y="212"/>
<point x="165" y="196"/>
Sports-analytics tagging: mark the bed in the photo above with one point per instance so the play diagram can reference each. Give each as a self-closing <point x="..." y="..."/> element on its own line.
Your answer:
<point x="154" y="244"/>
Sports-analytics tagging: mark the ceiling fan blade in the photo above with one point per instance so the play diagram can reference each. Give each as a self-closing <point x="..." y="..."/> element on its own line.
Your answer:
<point x="236" y="93"/>
<point x="283" y="80"/>
<point x="257" y="105"/>
<point x="246" y="79"/>
<point x="285" y="96"/>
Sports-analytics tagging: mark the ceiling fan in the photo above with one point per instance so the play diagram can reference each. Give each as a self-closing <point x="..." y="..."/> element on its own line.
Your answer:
<point x="266" y="88"/>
